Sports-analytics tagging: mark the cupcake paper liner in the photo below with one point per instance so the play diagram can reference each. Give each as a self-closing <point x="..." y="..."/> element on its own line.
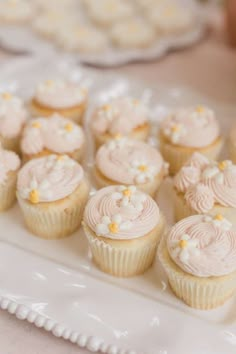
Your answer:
<point x="8" y="192"/>
<point x="196" y="292"/>
<point x="123" y="261"/>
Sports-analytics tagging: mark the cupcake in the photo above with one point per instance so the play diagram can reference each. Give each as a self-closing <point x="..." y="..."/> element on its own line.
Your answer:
<point x="57" y="135"/>
<point x="16" y="11"/>
<point x="126" y="161"/>
<point x="9" y="166"/>
<point x="58" y="96"/>
<point x="123" y="227"/>
<point x="133" y="33"/>
<point x="52" y="192"/>
<point x="107" y="12"/>
<point x="13" y="116"/>
<point x="206" y="187"/>
<point x="82" y="38"/>
<point x="122" y="116"/>
<point x="189" y="130"/>
<point x="232" y="144"/>
<point x="201" y="272"/>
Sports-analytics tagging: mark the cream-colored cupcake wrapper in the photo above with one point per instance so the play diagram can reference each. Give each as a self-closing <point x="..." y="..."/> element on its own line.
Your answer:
<point x="121" y="261"/>
<point x="8" y="192"/>
<point x="178" y="156"/>
<point x="199" y="293"/>
<point x="56" y="219"/>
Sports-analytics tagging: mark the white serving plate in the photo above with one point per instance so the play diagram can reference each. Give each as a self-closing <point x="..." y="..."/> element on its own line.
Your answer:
<point x="22" y="39"/>
<point x="55" y="285"/>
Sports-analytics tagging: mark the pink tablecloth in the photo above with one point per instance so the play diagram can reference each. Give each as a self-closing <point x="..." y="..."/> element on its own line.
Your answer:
<point x="209" y="67"/>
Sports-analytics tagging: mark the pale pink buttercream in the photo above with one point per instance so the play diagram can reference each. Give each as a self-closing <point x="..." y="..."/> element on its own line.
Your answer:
<point x="207" y="184"/>
<point x="214" y="251"/>
<point x="120" y="116"/>
<point x="194" y="127"/>
<point x="60" y="94"/>
<point x="135" y="221"/>
<point x="9" y="161"/>
<point x="119" y="160"/>
<point x="52" y="177"/>
<point x="12" y="115"/>
<point x="57" y="134"/>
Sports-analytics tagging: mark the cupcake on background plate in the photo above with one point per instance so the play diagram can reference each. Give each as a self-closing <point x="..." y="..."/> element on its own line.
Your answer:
<point x="206" y="187"/>
<point x="123" y="227"/>
<point x="199" y="257"/>
<point x="121" y="116"/>
<point x="13" y="116"/>
<point x="52" y="192"/>
<point x="57" y="135"/>
<point x="126" y="161"/>
<point x="9" y="166"/>
<point x="189" y="130"/>
<point x="59" y="96"/>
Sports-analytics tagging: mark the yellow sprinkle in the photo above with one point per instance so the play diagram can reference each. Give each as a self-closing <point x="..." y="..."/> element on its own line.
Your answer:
<point x="127" y="193"/>
<point x="106" y="107"/>
<point x="175" y="128"/>
<point x="6" y="96"/>
<point x="183" y="244"/>
<point x="60" y="158"/>
<point x="36" y="125"/>
<point x="49" y="82"/>
<point x="219" y="217"/>
<point x="143" y="168"/>
<point x="117" y="136"/>
<point x="200" y="109"/>
<point x="136" y="102"/>
<point x="69" y="127"/>
<point x="222" y="165"/>
<point x="113" y="227"/>
<point x="34" y="196"/>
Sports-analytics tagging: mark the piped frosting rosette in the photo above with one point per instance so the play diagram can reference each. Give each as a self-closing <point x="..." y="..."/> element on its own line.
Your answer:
<point x="120" y="116"/>
<point x="205" y="184"/>
<point x="12" y="115"/>
<point x="60" y="94"/>
<point x="193" y="127"/>
<point x="129" y="161"/>
<point x="203" y="246"/>
<point x="57" y="134"/>
<point x="121" y="213"/>
<point x="49" y="179"/>
<point x="9" y="161"/>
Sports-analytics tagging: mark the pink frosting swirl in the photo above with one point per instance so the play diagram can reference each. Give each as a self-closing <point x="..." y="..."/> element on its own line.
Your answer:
<point x="105" y="203"/>
<point x="12" y="115"/>
<point x="186" y="177"/>
<point x="200" y="198"/>
<point x="121" y="160"/>
<point x="60" y="94"/>
<point x="201" y="248"/>
<point x="120" y="116"/>
<point x="9" y="161"/>
<point x="48" y="179"/>
<point x="194" y="127"/>
<point x="57" y="134"/>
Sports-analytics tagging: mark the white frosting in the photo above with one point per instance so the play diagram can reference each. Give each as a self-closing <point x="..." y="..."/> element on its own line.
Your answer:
<point x="16" y="10"/>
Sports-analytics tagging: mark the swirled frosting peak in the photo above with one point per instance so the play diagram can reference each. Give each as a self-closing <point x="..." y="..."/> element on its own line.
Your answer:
<point x="120" y="212"/>
<point x="60" y="94"/>
<point x="194" y="127"/>
<point x="49" y="179"/>
<point x="129" y="161"/>
<point x="9" y="161"/>
<point x="12" y="115"/>
<point x="120" y="116"/>
<point x="205" y="183"/>
<point x="57" y="134"/>
<point x="203" y="246"/>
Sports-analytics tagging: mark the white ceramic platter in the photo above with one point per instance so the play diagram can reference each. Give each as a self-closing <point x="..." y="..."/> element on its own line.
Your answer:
<point x="22" y="39"/>
<point x="55" y="285"/>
